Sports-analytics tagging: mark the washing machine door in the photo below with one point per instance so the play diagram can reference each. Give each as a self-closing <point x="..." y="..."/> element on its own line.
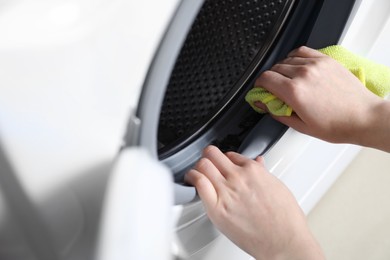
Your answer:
<point x="137" y="216"/>
<point x="70" y="72"/>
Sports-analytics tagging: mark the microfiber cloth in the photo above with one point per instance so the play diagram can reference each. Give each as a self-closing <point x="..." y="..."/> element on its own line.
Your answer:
<point x="375" y="77"/>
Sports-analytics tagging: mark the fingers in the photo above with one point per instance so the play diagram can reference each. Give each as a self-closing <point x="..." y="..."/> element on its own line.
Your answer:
<point x="215" y="166"/>
<point x="260" y="159"/>
<point x="293" y="67"/>
<point x="217" y="169"/>
<point x="207" y="168"/>
<point x="237" y="158"/>
<point x="305" y="52"/>
<point x="205" y="188"/>
<point x="222" y="163"/>
<point x="275" y="83"/>
<point x="287" y="70"/>
<point x="295" y="61"/>
<point x="262" y="106"/>
<point x="285" y="79"/>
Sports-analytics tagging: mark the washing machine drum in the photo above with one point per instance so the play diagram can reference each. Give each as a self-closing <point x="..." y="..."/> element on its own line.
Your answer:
<point x="227" y="42"/>
<point x="202" y="73"/>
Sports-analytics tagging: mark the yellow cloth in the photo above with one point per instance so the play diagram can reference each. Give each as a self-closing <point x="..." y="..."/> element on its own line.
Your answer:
<point x="375" y="77"/>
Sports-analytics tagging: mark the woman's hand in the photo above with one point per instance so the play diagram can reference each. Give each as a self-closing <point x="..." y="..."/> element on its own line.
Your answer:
<point x="328" y="100"/>
<point x="252" y="207"/>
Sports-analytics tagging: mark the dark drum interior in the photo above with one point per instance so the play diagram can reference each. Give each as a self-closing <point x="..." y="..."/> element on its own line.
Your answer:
<point x="225" y="45"/>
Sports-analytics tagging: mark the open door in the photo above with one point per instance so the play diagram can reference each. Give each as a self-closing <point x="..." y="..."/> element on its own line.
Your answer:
<point x="137" y="214"/>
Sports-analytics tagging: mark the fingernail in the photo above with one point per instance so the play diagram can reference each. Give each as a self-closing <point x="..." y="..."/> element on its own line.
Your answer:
<point x="261" y="105"/>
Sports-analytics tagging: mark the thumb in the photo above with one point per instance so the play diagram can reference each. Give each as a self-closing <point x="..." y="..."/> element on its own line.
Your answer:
<point x="292" y="121"/>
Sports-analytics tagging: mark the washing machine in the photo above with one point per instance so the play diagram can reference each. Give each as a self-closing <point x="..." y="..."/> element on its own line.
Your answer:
<point x="105" y="105"/>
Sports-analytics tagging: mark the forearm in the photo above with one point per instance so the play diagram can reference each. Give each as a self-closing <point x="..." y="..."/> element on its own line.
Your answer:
<point x="377" y="132"/>
<point x="302" y="247"/>
<point x="309" y="249"/>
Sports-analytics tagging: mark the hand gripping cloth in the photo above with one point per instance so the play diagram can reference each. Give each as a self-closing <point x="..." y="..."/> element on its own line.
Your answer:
<point x="375" y="77"/>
